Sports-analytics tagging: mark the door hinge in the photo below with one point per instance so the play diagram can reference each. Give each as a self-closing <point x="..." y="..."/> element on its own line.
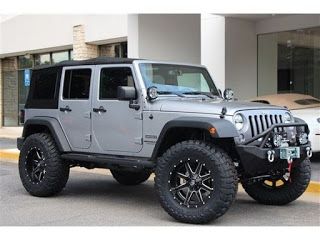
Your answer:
<point x="139" y="116"/>
<point x="87" y="115"/>
<point x="88" y="137"/>
<point x="138" y="140"/>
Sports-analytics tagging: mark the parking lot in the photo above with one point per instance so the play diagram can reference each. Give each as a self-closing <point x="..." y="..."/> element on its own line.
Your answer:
<point x="93" y="198"/>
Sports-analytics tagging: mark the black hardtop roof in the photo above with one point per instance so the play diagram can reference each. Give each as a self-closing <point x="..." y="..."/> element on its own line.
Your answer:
<point x="92" y="61"/>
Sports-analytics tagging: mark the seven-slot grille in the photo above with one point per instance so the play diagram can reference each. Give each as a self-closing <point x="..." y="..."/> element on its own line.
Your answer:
<point x="260" y="123"/>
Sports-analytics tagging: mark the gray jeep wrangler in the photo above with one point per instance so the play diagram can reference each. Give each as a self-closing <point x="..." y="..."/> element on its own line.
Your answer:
<point x="136" y="117"/>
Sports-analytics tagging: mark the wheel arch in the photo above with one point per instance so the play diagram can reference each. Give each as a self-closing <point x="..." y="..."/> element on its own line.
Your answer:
<point x="47" y="125"/>
<point x="178" y="129"/>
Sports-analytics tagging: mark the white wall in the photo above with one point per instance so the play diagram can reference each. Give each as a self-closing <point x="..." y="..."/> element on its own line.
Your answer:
<point x="26" y="33"/>
<point x="241" y="57"/>
<point x="286" y="23"/>
<point x="167" y="37"/>
<point x="213" y="47"/>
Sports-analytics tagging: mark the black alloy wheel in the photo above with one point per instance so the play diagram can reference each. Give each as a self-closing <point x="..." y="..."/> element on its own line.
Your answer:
<point x="191" y="183"/>
<point x="42" y="172"/>
<point x="35" y="165"/>
<point x="196" y="182"/>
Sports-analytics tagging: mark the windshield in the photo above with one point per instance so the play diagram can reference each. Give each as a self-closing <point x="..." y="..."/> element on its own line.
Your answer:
<point x="177" y="79"/>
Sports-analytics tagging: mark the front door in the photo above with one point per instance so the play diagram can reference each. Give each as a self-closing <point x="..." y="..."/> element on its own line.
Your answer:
<point x="75" y="105"/>
<point x="116" y="127"/>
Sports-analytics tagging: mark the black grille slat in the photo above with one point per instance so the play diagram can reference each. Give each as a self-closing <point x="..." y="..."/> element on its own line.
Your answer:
<point x="267" y="121"/>
<point x="251" y="126"/>
<point x="263" y="124"/>
<point x="276" y="121"/>
<point x="260" y="123"/>
<point x="273" y="121"/>
<point x="281" y="121"/>
<point x="257" y="124"/>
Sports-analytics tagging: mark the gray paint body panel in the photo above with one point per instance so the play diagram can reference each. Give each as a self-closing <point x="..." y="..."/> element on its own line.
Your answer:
<point x="149" y="120"/>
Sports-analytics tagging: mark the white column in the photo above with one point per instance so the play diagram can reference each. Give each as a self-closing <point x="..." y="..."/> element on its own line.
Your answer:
<point x="133" y="35"/>
<point x="166" y="37"/>
<point x="213" y="47"/>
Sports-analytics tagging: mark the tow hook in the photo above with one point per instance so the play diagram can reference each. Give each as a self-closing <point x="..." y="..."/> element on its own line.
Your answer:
<point x="271" y="155"/>
<point x="309" y="152"/>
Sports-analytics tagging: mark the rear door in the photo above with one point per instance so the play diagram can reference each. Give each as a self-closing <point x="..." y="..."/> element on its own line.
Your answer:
<point x="75" y="105"/>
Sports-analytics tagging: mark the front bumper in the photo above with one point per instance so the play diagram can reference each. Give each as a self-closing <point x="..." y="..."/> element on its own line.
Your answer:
<point x="254" y="159"/>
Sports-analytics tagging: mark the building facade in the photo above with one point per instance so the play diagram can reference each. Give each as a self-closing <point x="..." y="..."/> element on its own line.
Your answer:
<point x="252" y="54"/>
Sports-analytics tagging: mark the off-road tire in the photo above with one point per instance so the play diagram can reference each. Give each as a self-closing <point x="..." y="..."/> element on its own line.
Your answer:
<point x="225" y="183"/>
<point x="130" y="178"/>
<point x="300" y="178"/>
<point x="56" y="170"/>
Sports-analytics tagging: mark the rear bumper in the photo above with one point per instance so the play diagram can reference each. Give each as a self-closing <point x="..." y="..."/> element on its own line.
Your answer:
<point x="255" y="161"/>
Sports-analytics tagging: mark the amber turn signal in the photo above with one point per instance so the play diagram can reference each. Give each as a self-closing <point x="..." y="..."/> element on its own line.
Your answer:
<point x="212" y="130"/>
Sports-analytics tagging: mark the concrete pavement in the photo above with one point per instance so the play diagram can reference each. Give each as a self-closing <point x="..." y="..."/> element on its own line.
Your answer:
<point x="93" y="198"/>
<point x="97" y="200"/>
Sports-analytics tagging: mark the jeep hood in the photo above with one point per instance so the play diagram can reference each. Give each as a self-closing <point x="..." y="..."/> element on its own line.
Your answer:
<point x="193" y="105"/>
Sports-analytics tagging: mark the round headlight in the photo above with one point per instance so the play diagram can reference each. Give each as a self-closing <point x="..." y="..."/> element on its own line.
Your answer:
<point x="287" y="118"/>
<point x="238" y="121"/>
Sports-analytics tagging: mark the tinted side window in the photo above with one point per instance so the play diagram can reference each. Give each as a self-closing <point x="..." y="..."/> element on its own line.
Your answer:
<point x="111" y="78"/>
<point x="77" y="84"/>
<point x="45" y="86"/>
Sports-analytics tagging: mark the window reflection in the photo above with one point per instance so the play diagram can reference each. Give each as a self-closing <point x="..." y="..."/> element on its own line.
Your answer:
<point x="60" y="56"/>
<point x="289" y="62"/>
<point x="42" y="59"/>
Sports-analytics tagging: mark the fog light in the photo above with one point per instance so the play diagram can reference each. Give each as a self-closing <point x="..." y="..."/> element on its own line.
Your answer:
<point x="277" y="140"/>
<point x="302" y="138"/>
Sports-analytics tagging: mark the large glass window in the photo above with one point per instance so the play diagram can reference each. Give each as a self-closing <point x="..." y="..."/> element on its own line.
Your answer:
<point x="25" y="61"/>
<point x="114" y="50"/>
<point x="42" y="59"/>
<point x="77" y="84"/>
<point x="289" y="62"/>
<point x="60" y="56"/>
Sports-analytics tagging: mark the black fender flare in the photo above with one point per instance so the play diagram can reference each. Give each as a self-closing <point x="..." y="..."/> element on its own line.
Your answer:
<point x="223" y="128"/>
<point x="54" y="127"/>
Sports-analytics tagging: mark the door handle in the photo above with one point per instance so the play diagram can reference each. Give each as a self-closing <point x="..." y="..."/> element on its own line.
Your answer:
<point x="65" y="109"/>
<point x="100" y="109"/>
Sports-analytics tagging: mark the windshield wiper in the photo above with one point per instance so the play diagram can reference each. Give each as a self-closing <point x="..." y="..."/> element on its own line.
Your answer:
<point x="170" y="92"/>
<point x="209" y="95"/>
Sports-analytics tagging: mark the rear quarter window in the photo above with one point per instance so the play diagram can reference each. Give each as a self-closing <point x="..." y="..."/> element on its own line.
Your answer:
<point x="44" y="88"/>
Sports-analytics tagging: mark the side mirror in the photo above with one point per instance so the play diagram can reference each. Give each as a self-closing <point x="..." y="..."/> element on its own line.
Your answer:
<point x="126" y="93"/>
<point x="228" y="94"/>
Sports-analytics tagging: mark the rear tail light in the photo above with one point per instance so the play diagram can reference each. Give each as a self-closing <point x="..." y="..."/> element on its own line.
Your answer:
<point x="22" y="114"/>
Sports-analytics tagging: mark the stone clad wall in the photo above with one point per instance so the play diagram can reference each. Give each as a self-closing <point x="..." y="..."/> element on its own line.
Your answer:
<point x="81" y="49"/>
<point x="9" y="91"/>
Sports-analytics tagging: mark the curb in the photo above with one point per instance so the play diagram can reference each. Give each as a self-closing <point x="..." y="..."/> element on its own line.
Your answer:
<point x="13" y="155"/>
